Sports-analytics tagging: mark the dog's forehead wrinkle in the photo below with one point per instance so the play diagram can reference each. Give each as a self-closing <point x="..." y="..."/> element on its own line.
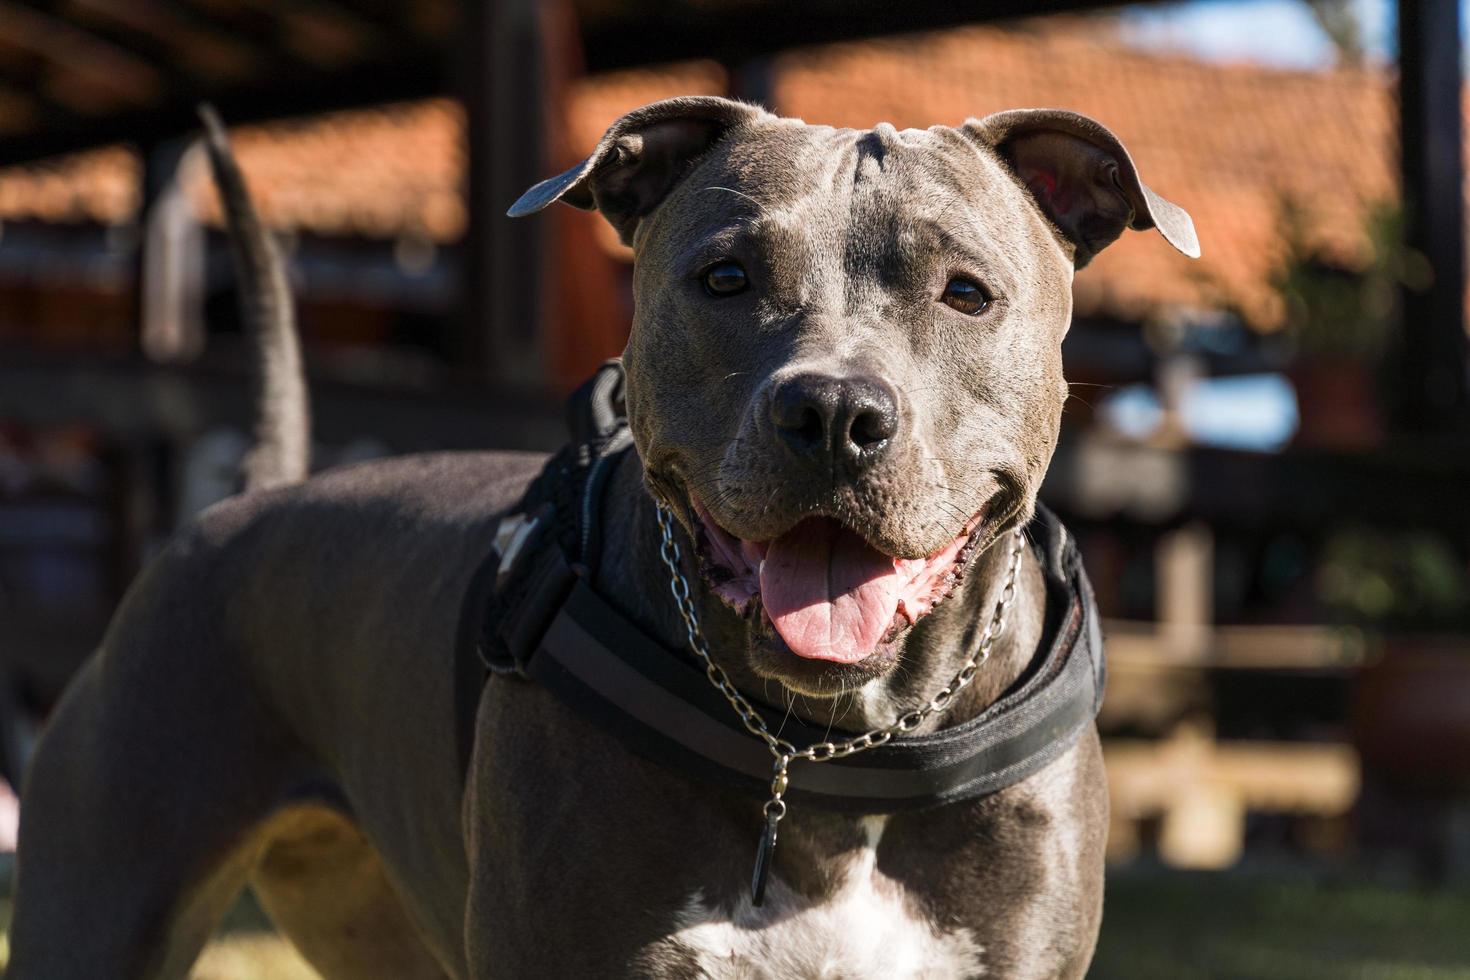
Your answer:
<point x="906" y="226"/>
<point x="857" y="204"/>
<point x="872" y="149"/>
<point x="780" y="164"/>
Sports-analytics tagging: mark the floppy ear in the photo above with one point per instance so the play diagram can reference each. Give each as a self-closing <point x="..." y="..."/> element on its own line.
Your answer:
<point x="1082" y="178"/>
<point x="640" y="159"/>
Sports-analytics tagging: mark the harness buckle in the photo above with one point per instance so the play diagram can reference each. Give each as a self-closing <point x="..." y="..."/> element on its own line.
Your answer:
<point x="532" y="581"/>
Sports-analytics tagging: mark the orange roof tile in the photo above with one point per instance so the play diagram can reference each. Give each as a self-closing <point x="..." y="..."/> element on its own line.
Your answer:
<point x="386" y="172"/>
<point x="1223" y="141"/>
<point x="99" y="185"/>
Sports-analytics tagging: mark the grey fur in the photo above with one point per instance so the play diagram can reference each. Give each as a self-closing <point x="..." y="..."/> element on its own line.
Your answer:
<point x="294" y="649"/>
<point x="282" y="451"/>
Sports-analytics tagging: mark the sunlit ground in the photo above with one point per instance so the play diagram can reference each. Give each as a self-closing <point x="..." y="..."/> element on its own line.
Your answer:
<point x="1159" y="926"/>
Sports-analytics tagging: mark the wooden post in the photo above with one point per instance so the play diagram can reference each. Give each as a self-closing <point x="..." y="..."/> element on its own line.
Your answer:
<point x="754" y="80"/>
<point x="1184" y="563"/>
<point x="161" y="162"/>
<point x="1432" y="386"/>
<point x="500" y="328"/>
<point x="173" y="245"/>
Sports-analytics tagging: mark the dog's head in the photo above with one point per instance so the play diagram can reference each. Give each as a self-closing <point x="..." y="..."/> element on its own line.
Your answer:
<point x="845" y="369"/>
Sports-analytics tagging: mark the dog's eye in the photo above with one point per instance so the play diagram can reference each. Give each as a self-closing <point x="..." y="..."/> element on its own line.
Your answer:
<point x="965" y="296"/>
<point x="725" y="279"/>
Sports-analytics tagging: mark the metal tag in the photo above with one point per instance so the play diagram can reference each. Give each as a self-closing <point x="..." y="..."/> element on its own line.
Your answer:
<point x="765" y="854"/>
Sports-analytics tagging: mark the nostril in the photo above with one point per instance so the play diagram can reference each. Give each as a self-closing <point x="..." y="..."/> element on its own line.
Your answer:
<point x="869" y="428"/>
<point x="810" y="429"/>
<point x="802" y="411"/>
<point x="871" y="421"/>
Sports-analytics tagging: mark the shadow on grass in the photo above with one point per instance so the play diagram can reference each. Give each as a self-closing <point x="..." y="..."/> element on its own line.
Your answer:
<point x="1170" y="925"/>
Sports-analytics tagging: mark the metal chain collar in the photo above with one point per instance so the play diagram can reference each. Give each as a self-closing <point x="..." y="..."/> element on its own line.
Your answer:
<point x="784" y="753"/>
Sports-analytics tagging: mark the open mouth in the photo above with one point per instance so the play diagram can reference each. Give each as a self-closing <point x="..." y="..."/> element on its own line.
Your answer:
<point x="829" y="593"/>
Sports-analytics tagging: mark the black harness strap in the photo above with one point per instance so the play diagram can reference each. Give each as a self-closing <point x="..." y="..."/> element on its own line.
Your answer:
<point x="557" y="631"/>
<point x="662" y="706"/>
<point x="523" y="580"/>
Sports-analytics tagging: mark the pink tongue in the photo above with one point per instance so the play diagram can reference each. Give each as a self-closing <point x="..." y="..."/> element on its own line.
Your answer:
<point x="829" y="593"/>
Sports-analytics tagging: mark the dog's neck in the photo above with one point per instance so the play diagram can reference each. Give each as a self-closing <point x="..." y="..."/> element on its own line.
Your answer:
<point x="633" y="576"/>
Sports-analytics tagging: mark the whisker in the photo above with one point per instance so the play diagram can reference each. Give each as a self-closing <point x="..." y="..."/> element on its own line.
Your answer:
<point x="766" y="509"/>
<point x="832" y="718"/>
<point x="731" y="190"/>
<point x="789" y="702"/>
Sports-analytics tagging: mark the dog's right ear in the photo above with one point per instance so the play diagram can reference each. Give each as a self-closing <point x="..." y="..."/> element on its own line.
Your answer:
<point x="639" y="159"/>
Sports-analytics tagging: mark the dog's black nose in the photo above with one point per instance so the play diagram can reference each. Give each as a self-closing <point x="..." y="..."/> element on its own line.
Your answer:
<point x="847" y="420"/>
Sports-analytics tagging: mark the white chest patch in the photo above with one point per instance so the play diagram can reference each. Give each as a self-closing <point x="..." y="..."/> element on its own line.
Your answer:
<point x="866" y="930"/>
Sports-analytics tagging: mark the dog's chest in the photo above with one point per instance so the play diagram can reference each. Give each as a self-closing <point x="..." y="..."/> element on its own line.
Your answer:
<point x="867" y="929"/>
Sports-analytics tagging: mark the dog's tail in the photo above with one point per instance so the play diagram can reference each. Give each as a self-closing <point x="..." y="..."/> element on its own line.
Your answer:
<point x="282" y="451"/>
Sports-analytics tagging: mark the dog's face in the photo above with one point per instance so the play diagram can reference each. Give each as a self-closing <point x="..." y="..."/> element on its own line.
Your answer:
<point x="845" y="369"/>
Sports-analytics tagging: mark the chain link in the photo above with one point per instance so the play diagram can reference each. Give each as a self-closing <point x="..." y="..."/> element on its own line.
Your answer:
<point x="783" y="753"/>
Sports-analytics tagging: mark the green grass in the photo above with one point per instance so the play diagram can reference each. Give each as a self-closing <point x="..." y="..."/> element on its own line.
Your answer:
<point x="1292" y="926"/>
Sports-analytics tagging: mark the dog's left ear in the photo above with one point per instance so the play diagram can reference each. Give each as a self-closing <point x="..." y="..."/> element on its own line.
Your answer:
<point x="640" y="159"/>
<point x="1082" y="178"/>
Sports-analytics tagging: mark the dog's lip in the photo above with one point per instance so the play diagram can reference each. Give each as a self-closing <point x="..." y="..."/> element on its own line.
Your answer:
<point x="774" y="660"/>
<point x="702" y="516"/>
<point x="733" y="568"/>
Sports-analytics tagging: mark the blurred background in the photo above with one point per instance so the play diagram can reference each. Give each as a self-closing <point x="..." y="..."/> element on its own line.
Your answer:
<point x="1266" y="458"/>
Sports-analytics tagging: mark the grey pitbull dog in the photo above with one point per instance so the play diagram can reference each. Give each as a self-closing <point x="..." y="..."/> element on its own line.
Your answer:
<point x="844" y="377"/>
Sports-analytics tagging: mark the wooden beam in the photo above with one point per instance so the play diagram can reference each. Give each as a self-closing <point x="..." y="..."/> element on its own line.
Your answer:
<point x="132" y="399"/>
<point x="413" y="72"/>
<point x="1432" y="383"/>
<point x="1410" y="484"/>
<point x="242" y="23"/>
<point x="175" y="39"/>
<point x="653" y="32"/>
<point x="25" y="98"/>
<point x="377" y="20"/>
<point x="637" y="34"/>
<point x="129" y="78"/>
